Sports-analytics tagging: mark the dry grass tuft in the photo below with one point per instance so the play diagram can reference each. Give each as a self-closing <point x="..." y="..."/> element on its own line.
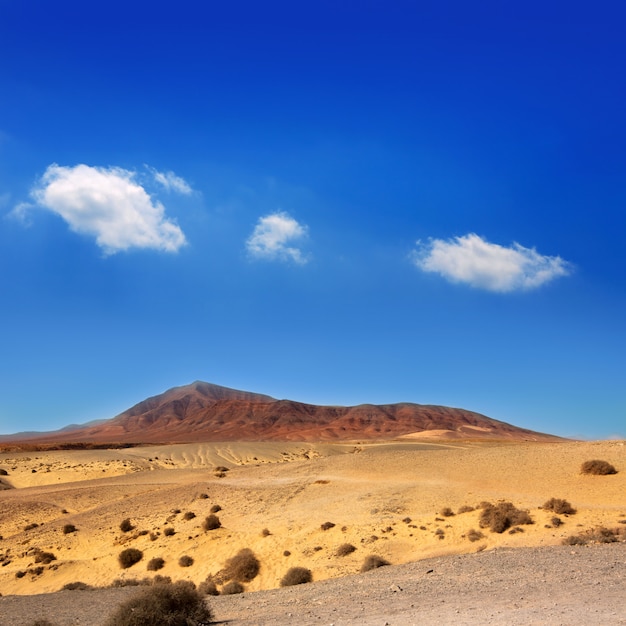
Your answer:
<point x="561" y="507"/>
<point x="373" y="562"/>
<point x="501" y="516"/>
<point x="597" y="468"/>
<point x="344" y="549"/>
<point x="296" y="576"/>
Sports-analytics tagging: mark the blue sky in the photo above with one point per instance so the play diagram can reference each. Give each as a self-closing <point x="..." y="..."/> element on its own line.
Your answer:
<point x="333" y="202"/>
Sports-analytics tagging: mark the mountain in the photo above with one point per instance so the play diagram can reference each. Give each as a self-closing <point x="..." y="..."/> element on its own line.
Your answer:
<point x="206" y="412"/>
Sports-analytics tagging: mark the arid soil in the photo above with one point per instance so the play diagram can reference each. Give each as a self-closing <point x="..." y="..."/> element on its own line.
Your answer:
<point x="297" y="504"/>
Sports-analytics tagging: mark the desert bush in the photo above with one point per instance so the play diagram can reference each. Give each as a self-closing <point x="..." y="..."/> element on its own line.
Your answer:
<point x="126" y="525"/>
<point x="216" y="508"/>
<point x="203" y="496"/>
<point x="20" y="574"/>
<point x="465" y="509"/>
<point x="265" y="532"/>
<point x="44" y="557"/>
<point x="439" y="533"/>
<point x="185" y="561"/>
<point x="407" y="520"/>
<point x="232" y="588"/>
<point x="327" y="525"/>
<point x="447" y="512"/>
<point x="212" y="522"/>
<point x="597" y="467"/>
<point x="155" y="564"/>
<point x="189" y="515"/>
<point x="76" y="586"/>
<point x="373" y="562"/>
<point x="474" y="535"/>
<point x="165" y="580"/>
<point x="574" y="540"/>
<point x="130" y="582"/>
<point x="208" y="588"/>
<point x="178" y="604"/>
<point x="562" y="507"/>
<point x="286" y="553"/>
<point x="344" y="549"/>
<point x="169" y="531"/>
<point x="296" y="576"/>
<point x="31" y="526"/>
<point x="556" y="522"/>
<point x="3" y="472"/>
<point x="501" y="516"/>
<point x="129" y="557"/>
<point x="69" y="528"/>
<point x="243" y="567"/>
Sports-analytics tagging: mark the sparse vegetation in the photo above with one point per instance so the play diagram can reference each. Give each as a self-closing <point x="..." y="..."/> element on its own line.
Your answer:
<point x="243" y="567"/>
<point x="344" y="549"/>
<point x="597" y="467"/>
<point x="373" y="562"/>
<point x="556" y="522"/>
<point x="126" y="526"/>
<point x="232" y="588"/>
<point x="474" y="535"/>
<point x="465" y="509"/>
<point x="327" y="525"/>
<point x="209" y="588"/>
<point x="189" y="515"/>
<point x="129" y="557"/>
<point x="265" y="532"/>
<point x="76" y="586"/>
<point x="296" y="576"/>
<point x="155" y="564"/>
<point x="169" y="531"/>
<point x="216" y="508"/>
<point x="44" y="557"/>
<point x="178" y="604"/>
<point x="69" y="528"/>
<point x="212" y="522"/>
<point x="446" y="512"/>
<point x="595" y="535"/>
<point x="561" y="507"/>
<point x="185" y="561"/>
<point x="31" y="526"/>
<point x="501" y="516"/>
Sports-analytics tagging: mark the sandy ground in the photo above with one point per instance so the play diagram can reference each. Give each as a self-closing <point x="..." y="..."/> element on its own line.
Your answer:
<point x="383" y="499"/>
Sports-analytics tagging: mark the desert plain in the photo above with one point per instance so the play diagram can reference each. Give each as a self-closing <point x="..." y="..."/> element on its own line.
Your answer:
<point x="292" y="504"/>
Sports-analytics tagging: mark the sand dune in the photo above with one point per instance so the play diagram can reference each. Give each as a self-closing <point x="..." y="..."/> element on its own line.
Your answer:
<point x="383" y="498"/>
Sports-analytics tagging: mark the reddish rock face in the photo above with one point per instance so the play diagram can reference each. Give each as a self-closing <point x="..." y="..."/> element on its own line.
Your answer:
<point x="205" y="412"/>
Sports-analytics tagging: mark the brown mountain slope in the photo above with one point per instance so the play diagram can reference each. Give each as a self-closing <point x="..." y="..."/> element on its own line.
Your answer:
<point x="206" y="412"/>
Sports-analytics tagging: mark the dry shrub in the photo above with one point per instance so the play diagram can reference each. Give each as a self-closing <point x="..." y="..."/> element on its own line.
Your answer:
<point x="189" y="515"/>
<point x="243" y="567"/>
<point x="265" y="532"/>
<point x="232" y="588"/>
<point x="3" y="472"/>
<point x="178" y="604"/>
<point x="344" y="549"/>
<point x="556" y="522"/>
<point x="447" y="512"/>
<point x="474" y="535"/>
<point x="185" y="561"/>
<point x="76" y="586"/>
<point x="212" y="522"/>
<point x="286" y="553"/>
<point x="373" y="562"/>
<point x="129" y="557"/>
<point x="126" y="525"/>
<point x="216" y="508"/>
<point x="208" y="588"/>
<point x="465" y="509"/>
<point x="562" y="507"/>
<point x="155" y="564"/>
<point x="69" y="528"/>
<point x="31" y="526"/>
<point x="169" y="531"/>
<point x="44" y="557"/>
<point x="597" y="467"/>
<point x="501" y="516"/>
<point x="595" y="535"/>
<point x="296" y="576"/>
<point x="327" y="526"/>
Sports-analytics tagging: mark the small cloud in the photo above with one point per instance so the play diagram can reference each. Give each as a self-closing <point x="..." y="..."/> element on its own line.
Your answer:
<point x="21" y="211"/>
<point x="106" y="203"/>
<point x="171" y="181"/>
<point x="473" y="260"/>
<point x="273" y="238"/>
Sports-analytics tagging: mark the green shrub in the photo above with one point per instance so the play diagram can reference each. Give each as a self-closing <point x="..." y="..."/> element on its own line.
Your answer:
<point x="212" y="522"/>
<point x="501" y="516"/>
<point x="232" y="588"/>
<point x="155" y="564"/>
<point x="178" y="604"/>
<point x="129" y="557"/>
<point x="296" y="576"/>
<point x="243" y="567"/>
<point x="597" y="467"/>
<point x="373" y="562"/>
<point x="562" y="507"/>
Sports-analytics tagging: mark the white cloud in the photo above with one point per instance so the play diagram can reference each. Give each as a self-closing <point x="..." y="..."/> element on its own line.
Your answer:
<point x="109" y="204"/>
<point x="171" y="181"/>
<point x="473" y="260"/>
<point x="273" y="238"/>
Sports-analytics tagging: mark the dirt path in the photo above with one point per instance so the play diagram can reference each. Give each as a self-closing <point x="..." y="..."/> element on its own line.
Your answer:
<point x="551" y="585"/>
